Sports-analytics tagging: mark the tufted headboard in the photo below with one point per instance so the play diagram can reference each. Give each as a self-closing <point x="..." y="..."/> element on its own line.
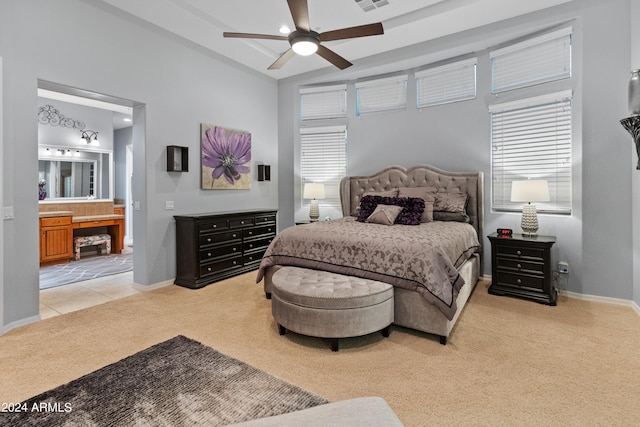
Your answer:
<point x="353" y="187"/>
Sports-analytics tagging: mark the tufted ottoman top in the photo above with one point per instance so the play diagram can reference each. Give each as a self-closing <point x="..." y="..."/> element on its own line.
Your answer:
<point x="325" y="290"/>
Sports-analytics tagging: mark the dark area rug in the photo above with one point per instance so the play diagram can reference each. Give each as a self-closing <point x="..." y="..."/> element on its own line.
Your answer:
<point x="85" y="269"/>
<point x="179" y="382"/>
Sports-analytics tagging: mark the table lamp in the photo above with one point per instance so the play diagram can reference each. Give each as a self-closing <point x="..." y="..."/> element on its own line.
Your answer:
<point x="529" y="191"/>
<point x="313" y="191"/>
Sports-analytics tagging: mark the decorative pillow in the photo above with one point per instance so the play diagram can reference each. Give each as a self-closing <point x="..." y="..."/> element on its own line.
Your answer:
<point x="451" y="207"/>
<point x="411" y="215"/>
<point x="384" y="214"/>
<point x="385" y="193"/>
<point x="451" y="216"/>
<point x="426" y="193"/>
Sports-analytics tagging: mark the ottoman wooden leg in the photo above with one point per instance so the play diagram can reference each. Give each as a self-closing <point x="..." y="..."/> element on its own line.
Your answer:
<point x="334" y="344"/>
<point x="282" y="330"/>
<point x="385" y="331"/>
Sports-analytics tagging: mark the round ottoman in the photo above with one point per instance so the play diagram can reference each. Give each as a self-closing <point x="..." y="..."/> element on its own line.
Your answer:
<point x="329" y="305"/>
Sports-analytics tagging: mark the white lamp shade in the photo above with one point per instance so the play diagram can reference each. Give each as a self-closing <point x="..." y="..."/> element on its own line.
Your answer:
<point x="531" y="190"/>
<point x="313" y="190"/>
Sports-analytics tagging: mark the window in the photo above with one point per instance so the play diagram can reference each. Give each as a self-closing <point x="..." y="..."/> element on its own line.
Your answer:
<point x="538" y="60"/>
<point x="324" y="102"/>
<point x="323" y="158"/>
<point x="447" y="83"/>
<point x="532" y="139"/>
<point x="389" y="93"/>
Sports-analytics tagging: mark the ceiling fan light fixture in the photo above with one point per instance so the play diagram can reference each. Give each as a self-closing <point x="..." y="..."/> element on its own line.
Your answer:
<point x="304" y="46"/>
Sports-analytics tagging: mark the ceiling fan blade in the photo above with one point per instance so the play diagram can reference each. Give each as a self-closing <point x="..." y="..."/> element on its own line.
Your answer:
<point x="353" y="32"/>
<point x="282" y="60"/>
<point x="333" y="57"/>
<point x="300" y="14"/>
<point x="254" y="36"/>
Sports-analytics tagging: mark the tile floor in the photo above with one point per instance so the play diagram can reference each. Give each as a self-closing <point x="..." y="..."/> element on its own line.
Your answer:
<point x="79" y="295"/>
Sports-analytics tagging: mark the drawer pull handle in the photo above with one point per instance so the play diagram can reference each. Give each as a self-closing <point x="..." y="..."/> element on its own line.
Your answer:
<point x="234" y="236"/>
<point x="519" y="252"/>
<point x="209" y="269"/>
<point x="235" y="262"/>
<point x="209" y="239"/>
<point x="209" y="254"/>
<point x="519" y="265"/>
<point x="519" y="281"/>
<point x="250" y="233"/>
<point x="250" y="245"/>
<point x="214" y="225"/>
<point x="242" y="222"/>
<point x="235" y="249"/>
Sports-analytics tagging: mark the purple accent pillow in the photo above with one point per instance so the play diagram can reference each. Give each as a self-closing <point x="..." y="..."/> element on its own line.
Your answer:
<point x="410" y="215"/>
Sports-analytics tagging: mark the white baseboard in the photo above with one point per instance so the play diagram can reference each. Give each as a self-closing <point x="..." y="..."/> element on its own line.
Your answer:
<point x="19" y="323"/>
<point x="594" y="298"/>
<point x="139" y="287"/>
<point x="605" y="300"/>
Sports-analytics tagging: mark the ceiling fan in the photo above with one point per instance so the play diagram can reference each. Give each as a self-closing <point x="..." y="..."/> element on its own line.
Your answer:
<point x="304" y="41"/>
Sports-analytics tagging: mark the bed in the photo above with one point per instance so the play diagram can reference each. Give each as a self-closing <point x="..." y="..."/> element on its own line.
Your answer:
<point x="432" y="253"/>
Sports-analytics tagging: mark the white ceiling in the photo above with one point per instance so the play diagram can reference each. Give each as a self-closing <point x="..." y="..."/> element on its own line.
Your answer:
<point x="406" y="22"/>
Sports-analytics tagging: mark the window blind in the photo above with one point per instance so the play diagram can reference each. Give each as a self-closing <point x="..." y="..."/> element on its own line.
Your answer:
<point x="324" y="102"/>
<point x="532" y="139"/>
<point x="323" y="154"/>
<point x="538" y="60"/>
<point x="447" y="83"/>
<point x="389" y="93"/>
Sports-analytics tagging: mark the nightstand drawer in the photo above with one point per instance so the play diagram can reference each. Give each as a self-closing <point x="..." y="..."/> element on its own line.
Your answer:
<point x="520" y="252"/>
<point x="520" y="280"/>
<point x="520" y="265"/>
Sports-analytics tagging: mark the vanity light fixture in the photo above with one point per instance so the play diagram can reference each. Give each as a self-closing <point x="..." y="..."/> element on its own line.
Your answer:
<point x="88" y="137"/>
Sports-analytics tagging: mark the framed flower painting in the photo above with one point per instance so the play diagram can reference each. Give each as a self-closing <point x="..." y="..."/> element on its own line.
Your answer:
<point x="226" y="158"/>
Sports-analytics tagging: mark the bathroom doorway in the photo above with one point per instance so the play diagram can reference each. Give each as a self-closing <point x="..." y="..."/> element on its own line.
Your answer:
<point x="118" y="174"/>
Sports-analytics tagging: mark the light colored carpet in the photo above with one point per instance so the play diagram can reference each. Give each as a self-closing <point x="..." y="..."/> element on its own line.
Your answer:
<point x="508" y="362"/>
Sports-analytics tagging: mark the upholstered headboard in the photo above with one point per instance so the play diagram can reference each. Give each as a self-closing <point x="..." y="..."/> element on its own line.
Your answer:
<point x="352" y="188"/>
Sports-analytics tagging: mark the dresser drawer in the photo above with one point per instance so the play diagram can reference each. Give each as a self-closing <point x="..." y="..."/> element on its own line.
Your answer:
<point x="257" y="231"/>
<point x="520" y="280"/>
<point x="213" y="224"/>
<point x="213" y="238"/>
<point x="256" y="244"/>
<point x="217" y="266"/>
<point x="252" y="257"/>
<point x="264" y="219"/>
<point x="520" y="252"/>
<point x="241" y="222"/>
<point x="520" y="265"/>
<point x="55" y="221"/>
<point x="220" y="251"/>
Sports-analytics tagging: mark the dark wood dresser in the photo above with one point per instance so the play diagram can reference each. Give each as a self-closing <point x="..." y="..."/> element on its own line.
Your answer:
<point x="521" y="267"/>
<point x="212" y="247"/>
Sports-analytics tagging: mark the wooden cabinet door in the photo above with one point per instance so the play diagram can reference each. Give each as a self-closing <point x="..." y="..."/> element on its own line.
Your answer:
<point x="56" y="243"/>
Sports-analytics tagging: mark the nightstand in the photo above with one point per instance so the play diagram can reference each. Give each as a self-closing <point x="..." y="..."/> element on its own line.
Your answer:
<point x="521" y="267"/>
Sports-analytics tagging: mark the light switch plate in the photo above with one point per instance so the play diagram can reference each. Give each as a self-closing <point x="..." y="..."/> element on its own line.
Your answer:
<point x="7" y="212"/>
<point x="169" y="205"/>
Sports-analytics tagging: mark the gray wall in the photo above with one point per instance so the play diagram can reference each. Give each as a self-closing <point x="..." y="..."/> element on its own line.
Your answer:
<point x="457" y="136"/>
<point x="121" y="138"/>
<point x="175" y="87"/>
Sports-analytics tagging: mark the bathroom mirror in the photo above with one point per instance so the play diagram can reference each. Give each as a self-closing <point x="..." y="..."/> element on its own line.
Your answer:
<point x="69" y="173"/>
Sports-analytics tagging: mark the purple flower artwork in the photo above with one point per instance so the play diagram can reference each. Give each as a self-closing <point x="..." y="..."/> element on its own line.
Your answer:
<point x="226" y="157"/>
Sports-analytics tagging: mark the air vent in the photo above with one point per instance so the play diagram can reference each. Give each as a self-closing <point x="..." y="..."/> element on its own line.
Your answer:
<point x="369" y="5"/>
